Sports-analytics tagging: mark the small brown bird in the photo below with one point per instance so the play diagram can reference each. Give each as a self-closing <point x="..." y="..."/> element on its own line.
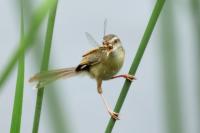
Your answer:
<point x="101" y="63"/>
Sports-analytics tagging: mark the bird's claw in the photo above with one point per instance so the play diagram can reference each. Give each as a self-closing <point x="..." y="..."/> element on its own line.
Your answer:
<point x="130" y="77"/>
<point x="114" y="115"/>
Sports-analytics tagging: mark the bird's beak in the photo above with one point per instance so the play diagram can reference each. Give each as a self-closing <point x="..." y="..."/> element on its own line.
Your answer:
<point x="105" y="43"/>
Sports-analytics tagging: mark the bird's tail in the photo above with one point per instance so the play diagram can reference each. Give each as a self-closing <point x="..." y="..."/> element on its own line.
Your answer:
<point x="47" y="77"/>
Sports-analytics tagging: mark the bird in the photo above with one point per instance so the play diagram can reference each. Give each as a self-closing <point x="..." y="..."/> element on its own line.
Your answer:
<point x="101" y="63"/>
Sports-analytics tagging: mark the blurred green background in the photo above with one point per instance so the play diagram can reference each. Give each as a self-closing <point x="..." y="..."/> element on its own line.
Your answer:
<point x="165" y="98"/>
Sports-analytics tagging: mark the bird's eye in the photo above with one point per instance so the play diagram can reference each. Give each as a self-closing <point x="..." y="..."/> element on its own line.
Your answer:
<point x="115" y="41"/>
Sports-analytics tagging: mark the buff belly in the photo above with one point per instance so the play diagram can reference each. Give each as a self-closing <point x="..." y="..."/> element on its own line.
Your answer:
<point x="109" y="67"/>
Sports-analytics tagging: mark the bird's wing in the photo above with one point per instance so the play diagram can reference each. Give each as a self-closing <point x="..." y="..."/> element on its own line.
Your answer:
<point x="90" y="52"/>
<point x="91" y="58"/>
<point x="96" y="50"/>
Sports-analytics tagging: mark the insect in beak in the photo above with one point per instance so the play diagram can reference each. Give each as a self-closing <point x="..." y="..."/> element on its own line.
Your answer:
<point x="109" y="48"/>
<point x="105" y="43"/>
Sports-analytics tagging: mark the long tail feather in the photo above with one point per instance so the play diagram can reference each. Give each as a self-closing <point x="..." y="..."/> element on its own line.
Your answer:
<point x="47" y="77"/>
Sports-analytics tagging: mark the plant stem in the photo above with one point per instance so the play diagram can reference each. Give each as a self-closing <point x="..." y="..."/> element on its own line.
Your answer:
<point x="27" y="40"/>
<point x="171" y="83"/>
<point x="195" y="10"/>
<point x="18" y="101"/>
<point x="56" y="112"/>
<point x="44" y="67"/>
<point x="137" y="59"/>
<point x="54" y="105"/>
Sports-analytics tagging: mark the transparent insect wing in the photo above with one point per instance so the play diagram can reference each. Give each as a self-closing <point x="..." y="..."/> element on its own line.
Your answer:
<point x="105" y="27"/>
<point x="91" y="40"/>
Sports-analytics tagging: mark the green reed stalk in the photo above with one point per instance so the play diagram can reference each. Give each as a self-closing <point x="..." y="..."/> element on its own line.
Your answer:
<point x="18" y="101"/>
<point x="169" y="60"/>
<point x="27" y="40"/>
<point x="195" y="10"/>
<point x="44" y="67"/>
<point x="137" y="59"/>
<point x="56" y="113"/>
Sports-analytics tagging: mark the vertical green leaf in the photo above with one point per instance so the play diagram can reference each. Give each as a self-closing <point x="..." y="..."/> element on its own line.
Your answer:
<point x="18" y="101"/>
<point x="169" y="61"/>
<point x="137" y="59"/>
<point x="195" y="10"/>
<point x="27" y="40"/>
<point x="56" y="112"/>
<point x="44" y="67"/>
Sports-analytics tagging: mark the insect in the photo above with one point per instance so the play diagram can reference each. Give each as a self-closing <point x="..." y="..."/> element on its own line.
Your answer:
<point x="101" y="63"/>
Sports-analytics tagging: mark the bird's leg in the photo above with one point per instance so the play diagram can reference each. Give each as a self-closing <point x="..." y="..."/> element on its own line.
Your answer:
<point x="126" y="76"/>
<point x="113" y="114"/>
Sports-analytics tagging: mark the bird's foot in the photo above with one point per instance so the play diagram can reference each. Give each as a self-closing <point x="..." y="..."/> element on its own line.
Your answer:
<point x="126" y="76"/>
<point x="129" y="77"/>
<point x="114" y="115"/>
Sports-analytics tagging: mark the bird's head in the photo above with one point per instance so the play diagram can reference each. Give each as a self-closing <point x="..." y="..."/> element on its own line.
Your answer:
<point x="111" y="41"/>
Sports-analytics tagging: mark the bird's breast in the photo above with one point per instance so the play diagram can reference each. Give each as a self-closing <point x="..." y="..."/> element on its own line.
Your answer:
<point x="109" y="66"/>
